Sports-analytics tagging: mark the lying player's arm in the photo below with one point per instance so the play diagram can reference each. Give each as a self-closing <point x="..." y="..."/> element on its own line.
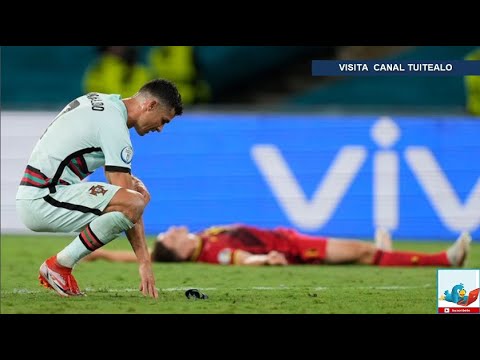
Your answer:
<point x="112" y="255"/>
<point x="241" y="257"/>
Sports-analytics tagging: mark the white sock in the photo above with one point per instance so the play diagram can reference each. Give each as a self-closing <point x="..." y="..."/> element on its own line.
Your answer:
<point x="457" y="253"/>
<point x="383" y="240"/>
<point x="99" y="232"/>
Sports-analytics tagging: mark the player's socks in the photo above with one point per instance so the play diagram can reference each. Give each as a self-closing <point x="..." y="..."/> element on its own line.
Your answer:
<point x="409" y="258"/>
<point x="99" y="232"/>
<point x="454" y="256"/>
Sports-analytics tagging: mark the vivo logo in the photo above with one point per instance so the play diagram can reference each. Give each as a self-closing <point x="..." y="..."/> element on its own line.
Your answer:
<point x="312" y="214"/>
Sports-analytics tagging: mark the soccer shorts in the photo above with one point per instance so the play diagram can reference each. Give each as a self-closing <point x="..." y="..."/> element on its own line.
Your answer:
<point x="310" y="249"/>
<point x="69" y="209"/>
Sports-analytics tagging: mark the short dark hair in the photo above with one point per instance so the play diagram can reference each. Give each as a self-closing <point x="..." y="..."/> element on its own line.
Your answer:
<point x="165" y="91"/>
<point x="161" y="253"/>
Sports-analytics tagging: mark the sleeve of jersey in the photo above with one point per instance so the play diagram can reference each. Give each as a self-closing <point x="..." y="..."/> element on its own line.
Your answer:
<point x="116" y="145"/>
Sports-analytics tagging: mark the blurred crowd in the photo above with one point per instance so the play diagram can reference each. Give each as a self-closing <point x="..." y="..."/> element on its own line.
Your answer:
<point x="118" y="69"/>
<point x="271" y="77"/>
<point x="472" y="87"/>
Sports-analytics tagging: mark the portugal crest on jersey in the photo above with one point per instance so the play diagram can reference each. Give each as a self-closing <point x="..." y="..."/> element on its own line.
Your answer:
<point x="97" y="189"/>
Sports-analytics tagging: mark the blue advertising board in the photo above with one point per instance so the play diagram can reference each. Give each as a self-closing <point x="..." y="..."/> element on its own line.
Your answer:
<point x="330" y="175"/>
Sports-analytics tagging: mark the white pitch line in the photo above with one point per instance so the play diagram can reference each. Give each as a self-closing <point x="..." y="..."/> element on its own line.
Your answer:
<point x="394" y="287"/>
<point x="185" y="288"/>
<point x="262" y="288"/>
<point x="21" y="291"/>
<point x="265" y="288"/>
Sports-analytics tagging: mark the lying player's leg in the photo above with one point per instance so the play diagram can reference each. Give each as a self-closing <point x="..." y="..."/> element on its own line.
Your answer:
<point x="455" y="255"/>
<point x="340" y="251"/>
<point x="349" y="251"/>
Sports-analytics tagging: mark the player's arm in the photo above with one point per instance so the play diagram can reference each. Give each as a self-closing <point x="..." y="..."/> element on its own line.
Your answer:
<point x="135" y="235"/>
<point x="115" y="143"/>
<point x="139" y="186"/>
<point x="241" y="257"/>
<point x="123" y="179"/>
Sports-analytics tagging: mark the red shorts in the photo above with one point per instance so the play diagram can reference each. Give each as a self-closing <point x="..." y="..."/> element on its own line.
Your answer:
<point x="309" y="249"/>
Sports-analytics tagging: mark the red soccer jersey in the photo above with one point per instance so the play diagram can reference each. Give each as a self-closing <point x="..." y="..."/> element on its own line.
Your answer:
<point x="219" y="243"/>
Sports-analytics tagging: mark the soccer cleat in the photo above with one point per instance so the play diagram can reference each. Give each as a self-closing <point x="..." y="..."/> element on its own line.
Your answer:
<point x="59" y="278"/>
<point x="383" y="240"/>
<point x="458" y="252"/>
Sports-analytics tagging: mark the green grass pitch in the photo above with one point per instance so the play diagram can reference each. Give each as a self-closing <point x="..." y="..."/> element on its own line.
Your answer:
<point x="112" y="288"/>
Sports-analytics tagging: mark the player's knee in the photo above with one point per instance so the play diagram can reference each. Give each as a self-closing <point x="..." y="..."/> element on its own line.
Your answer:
<point x="135" y="207"/>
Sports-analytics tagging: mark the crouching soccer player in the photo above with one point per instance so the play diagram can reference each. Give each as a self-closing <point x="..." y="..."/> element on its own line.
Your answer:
<point x="90" y="132"/>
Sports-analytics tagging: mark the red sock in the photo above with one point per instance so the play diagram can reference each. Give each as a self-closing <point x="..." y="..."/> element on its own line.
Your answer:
<point x="407" y="258"/>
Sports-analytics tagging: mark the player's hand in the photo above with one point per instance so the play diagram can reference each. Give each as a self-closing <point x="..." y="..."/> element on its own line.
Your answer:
<point x="147" y="284"/>
<point x="141" y="188"/>
<point x="276" y="258"/>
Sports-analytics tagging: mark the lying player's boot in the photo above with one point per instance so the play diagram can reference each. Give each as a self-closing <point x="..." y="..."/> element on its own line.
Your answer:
<point x="59" y="278"/>
<point x="458" y="252"/>
<point x="383" y="240"/>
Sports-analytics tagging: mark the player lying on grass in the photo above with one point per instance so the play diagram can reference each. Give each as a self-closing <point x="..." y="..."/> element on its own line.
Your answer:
<point x="248" y="245"/>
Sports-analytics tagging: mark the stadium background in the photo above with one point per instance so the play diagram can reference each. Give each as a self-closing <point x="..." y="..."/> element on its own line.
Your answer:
<point x="275" y="146"/>
<point x="268" y="144"/>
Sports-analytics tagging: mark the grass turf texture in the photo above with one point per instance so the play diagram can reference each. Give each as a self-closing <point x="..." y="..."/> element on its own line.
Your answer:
<point x="112" y="288"/>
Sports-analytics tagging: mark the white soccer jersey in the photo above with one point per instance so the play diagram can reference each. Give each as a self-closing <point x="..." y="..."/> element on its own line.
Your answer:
<point x="90" y="132"/>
